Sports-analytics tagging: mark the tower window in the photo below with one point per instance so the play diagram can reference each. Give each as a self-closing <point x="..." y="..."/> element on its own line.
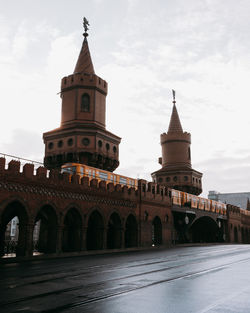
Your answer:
<point x="107" y="146"/>
<point x="85" y="103"/>
<point x="189" y="153"/>
<point x="51" y="145"/>
<point x="114" y="149"/>
<point x="185" y="178"/>
<point x="175" y="178"/>
<point x="167" y="179"/>
<point x="99" y="143"/>
<point x="85" y="141"/>
<point x="160" y="179"/>
<point x="60" y="144"/>
<point x="70" y="142"/>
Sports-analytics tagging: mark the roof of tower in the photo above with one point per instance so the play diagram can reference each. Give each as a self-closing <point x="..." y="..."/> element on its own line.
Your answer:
<point x="84" y="63"/>
<point x="175" y="124"/>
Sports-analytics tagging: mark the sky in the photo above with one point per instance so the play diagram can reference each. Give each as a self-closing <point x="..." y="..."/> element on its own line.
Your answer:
<point x="143" y="49"/>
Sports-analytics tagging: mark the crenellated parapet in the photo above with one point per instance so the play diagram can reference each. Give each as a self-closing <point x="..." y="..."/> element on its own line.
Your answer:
<point x="60" y="185"/>
<point x="168" y="137"/>
<point x="83" y="80"/>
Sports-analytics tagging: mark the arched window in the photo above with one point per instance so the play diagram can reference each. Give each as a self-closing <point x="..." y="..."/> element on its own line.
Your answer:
<point x="85" y="103"/>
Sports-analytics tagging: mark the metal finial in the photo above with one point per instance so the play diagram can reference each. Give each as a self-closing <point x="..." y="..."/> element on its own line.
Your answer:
<point x="173" y="91"/>
<point x="85" y="26"/>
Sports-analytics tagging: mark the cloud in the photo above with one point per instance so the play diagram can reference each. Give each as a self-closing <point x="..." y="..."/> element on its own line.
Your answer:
<point x="25" y="144"/>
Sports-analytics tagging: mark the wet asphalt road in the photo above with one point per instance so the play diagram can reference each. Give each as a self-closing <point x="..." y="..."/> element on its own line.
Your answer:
<point x="196" y="279"/>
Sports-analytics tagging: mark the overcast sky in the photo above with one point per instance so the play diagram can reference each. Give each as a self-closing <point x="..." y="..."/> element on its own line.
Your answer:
<point x="143" y="49"/>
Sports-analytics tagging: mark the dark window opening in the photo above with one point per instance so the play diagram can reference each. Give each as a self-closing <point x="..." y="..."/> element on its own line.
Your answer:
<point x="60" y="143"/>
<point x="107" y="146"/>
<point x="85" y="141"/>
<point x="70" y="142"/>
<point x="51" y="145"/>
<point x="85" y="103"/>
<point x="99" y="143"/>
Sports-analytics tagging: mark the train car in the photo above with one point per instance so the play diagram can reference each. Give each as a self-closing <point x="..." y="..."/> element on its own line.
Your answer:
<point x="176" y="197"/>
<point x="92" y="172"/>
<point x="185" y="199"/>
<point x="213" y="205"/>
<point x="201" y="205"/>
<point x="224" y="209"/>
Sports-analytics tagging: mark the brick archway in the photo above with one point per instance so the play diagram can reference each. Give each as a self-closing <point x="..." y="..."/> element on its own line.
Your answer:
<point x="95" y="231"/>
<point x="131" y="232"/>
<point x="156" y="231"/>
<point x="114" y="232"/>
<point x="72" y="231"/>
<point x="14" y="209"/>
<point x="48" y="229"/>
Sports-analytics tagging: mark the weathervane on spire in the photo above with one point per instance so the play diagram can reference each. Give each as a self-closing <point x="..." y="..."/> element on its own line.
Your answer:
<point x="85" y="26"/>
<point x="173" y="92"/>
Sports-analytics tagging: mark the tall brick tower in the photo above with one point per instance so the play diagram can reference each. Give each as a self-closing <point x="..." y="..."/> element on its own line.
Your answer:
<point x="176" y="171"/>
<point x="82" y="136"/>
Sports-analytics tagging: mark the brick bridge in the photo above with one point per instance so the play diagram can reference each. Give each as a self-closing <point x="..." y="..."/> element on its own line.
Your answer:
<point x="86" y="215"/>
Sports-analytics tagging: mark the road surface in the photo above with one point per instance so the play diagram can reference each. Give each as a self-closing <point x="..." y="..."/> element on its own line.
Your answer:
<point x="196" y="279"/>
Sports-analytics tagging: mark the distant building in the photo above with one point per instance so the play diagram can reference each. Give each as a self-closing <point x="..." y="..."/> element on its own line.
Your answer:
<point x="240" y="199"/>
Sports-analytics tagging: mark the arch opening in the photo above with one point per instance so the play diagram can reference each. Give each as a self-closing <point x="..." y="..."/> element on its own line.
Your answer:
<point x="72" y="231"/>
<point x="95" y="231"/>
<point x="235" y="234"/>
<point x="131" y="236"/>
<point x="156" y="231"/>
<point x="45" y="231"/>
<point x="114" y="232"/>
<point x="13" y="229"/>
<point x="204" y="229"/>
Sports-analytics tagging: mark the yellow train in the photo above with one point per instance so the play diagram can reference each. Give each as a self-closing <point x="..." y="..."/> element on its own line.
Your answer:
<point x="92" y="172"/>
<point x="181" y="198"/>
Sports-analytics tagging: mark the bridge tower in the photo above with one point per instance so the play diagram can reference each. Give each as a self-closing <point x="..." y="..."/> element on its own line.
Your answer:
<point x="176" y="171"/>
<point x="82" y="136"/>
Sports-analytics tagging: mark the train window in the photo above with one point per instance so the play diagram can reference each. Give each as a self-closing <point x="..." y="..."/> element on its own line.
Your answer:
<point x="70" y="170"/>
<point x="103" y="176"/>
<point x="93" y="174"/>
<point x="123" y="181"/>
<point x="85" y="103"/>
<point x="90" y="174"/>
<point x="81" y="170"/>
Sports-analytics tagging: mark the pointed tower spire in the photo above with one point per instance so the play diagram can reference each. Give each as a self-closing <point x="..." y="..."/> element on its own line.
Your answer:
<point x="248" y="204"/>
<point x="82" y="136"/>
<point x="84" y="63"/>
<point x="177" y="171"/>
<point x="175" y="123"/>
